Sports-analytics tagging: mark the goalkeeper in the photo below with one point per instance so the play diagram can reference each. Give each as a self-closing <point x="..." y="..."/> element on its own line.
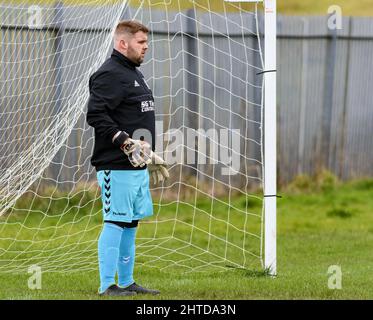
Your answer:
<point x="120" y="106"/>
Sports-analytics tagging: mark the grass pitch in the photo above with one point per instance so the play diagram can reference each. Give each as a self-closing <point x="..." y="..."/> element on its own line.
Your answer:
<point x="288" y="7"/>
<point x="319" y="225"/>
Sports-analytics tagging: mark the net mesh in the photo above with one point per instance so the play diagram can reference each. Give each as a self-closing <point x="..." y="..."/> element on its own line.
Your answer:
<point x="203" y="63"/>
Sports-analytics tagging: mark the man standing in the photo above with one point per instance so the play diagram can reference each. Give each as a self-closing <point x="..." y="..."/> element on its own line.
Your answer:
<point x="121" y="109"/>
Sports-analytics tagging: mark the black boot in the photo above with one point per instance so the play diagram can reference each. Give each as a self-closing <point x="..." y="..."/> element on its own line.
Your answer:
<point x="138" y="289"/>
<point x="114" y="290"/>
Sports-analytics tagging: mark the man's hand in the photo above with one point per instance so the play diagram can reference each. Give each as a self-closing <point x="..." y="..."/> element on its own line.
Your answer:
<point x="130" y="145"/>
<point x="158" y="169"/>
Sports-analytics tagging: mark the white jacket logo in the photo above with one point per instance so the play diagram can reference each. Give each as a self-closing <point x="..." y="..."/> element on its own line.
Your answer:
<point x="147" y="106"/>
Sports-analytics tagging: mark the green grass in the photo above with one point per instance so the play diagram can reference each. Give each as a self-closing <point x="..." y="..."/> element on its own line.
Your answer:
<point x="320" y="7"/>
<point x="319" y="224"/>
<point x="288" y="7"/>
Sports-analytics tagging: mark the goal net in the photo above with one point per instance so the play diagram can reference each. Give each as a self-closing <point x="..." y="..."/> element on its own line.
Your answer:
<point x="204" y="66"/>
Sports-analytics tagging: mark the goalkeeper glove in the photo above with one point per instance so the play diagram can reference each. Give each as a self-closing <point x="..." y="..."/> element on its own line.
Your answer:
<point x="141" y="155"/>
<point x="138" y="152"/>
<point x="158" y="169"/>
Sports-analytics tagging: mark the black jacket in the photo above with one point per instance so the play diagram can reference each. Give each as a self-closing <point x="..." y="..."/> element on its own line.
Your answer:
<point x="120" y="100"/>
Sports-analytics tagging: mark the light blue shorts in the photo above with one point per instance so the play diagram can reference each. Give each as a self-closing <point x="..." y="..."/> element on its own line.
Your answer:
<point x="125" y="194"/>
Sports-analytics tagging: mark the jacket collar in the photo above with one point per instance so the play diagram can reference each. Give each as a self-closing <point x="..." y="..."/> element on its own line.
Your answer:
<point x="116" y="55"/>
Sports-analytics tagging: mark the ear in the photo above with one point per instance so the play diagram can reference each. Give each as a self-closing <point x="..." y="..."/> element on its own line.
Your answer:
<point x="124" y="44"/>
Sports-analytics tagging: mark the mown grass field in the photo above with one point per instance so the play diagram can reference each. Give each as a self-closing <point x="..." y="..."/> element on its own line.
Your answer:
<point x="289" y="7"/>
<point x="320" y="224"/>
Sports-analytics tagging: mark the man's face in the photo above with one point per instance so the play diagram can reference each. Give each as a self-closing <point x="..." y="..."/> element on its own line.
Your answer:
<point x="137" y="47"/>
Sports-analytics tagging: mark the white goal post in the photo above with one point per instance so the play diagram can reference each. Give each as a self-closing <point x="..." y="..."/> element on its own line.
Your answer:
<point x="270" y="188"/>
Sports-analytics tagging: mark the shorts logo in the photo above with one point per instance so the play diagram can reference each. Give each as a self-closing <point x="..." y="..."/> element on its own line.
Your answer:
<point x="136" y="84"/>
<point x="107" y="192"/>
<point x="147" y="106"/>
<point x="119" y="214"/>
